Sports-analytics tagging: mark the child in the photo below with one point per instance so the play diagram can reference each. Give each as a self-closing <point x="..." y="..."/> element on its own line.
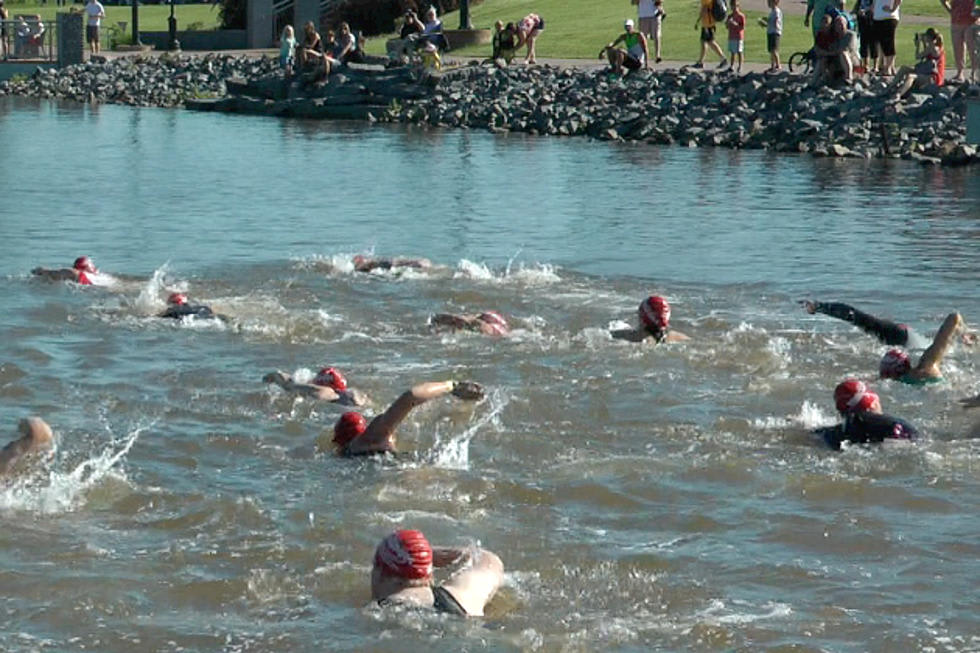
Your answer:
<point x="655" y="26"/>
<point x="736" y="36"/>
<point x="287" y="50"/>
<point x="774" y="30"/>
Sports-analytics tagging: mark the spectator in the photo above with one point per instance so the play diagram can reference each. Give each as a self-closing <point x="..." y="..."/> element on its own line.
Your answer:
<point x="835" y="50"/>
<point x="346" y="50"/>
<point x="95" y="13"/>
<point x="399" y="49"/>
<point x="961" y="30"/>
<point x="706" y="21"/>
<point x="311" y="50"/>
<point x="774" y="32"/>
<point x="287" y="50"/>
<point x="656" y="28"/>
<point x="528" y="31"/>
<point x="636" y="54"/>
<point x="4" y="17"/>
<point x="651" y="14"/>
<point x="864" y="10"/>
<point x="504" y="42"/>
<point x="930" y="69"/>
<point x="402" y="575"/>
<point x="886" y="17"/>
<point x="736" y="36"/>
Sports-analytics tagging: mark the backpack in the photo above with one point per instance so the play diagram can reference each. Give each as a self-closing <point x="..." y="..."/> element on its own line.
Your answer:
<point x="719" y="10"/>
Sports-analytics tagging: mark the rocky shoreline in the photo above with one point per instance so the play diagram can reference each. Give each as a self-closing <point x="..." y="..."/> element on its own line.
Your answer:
<point x="690" y="108"/>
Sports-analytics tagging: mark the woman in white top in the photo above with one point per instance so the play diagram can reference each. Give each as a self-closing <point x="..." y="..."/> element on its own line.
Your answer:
<point x="886" y="16"/>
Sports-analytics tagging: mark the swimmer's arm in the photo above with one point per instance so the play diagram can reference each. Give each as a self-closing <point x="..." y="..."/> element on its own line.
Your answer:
<point x="887" y="332"/>
<point x="380" y="433"/>
<point x="476" y="583"/>
<point x="933" y="356"/>
<point x="56" y="275"/>
<point x="632" y="335"/>
<point x="677" y="336"/>
<point x="453" y="321"/>
<point x="286" y="382"/>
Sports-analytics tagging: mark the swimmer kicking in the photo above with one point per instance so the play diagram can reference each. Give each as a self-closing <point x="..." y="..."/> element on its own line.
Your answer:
<point x="179" y="307"/>
<point x="402" y="575"/>
<point x="35" y="438"/>
<point x="490" y="323"/>
<point x="864" y="420"/>
<point x="328" y="385"/>
<point x="354" y="436"/>
<point x="895" y="364"/>
<point x="83" y="271"/>
<point x="654" y="314"/>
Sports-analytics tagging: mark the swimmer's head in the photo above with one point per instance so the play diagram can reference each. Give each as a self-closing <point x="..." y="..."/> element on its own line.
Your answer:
<point x="894" y="364"/>
<point x="655" y="314"/>
<point x="349" y="426"/>
<point x="84" y="264"/>
<point x="37" y="431"/>
<point x="404" y="554"/>
<point x="330" y="378"/>
<point x="853" y="396"/>
<point x="495" y="322"/>
<point x="177" y="298"/>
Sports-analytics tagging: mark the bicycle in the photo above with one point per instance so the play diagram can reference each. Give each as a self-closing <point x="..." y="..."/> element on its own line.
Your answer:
<point x="802" y="60"/>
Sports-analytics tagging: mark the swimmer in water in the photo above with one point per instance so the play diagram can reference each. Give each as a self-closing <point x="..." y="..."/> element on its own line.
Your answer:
<point x="402" y="575"/>
<point x="354" y="436"/>
<point x="863" y="418"/>
<point x="490" y="323"/>
<point x="654" y="314"/>
<point x="328" y="385"/>
<point x="369" y="264"/>
<point x="35" y="438"/>
<point x="178" y="307"/>
<point x="80" y="272"/>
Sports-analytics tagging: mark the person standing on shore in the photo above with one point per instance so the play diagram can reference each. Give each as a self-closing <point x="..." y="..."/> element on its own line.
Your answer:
<point x="651" y="14"/>
<point x="706" y="21"/>
<point x="736" y="36"/>
<point x="528" y="31"/>
<point x="964" y="37"/>
<point x="864" y="10"/>
<point x="774" y="32"/>
<point x="886" y="16"/>
<point x="95" y="12"/>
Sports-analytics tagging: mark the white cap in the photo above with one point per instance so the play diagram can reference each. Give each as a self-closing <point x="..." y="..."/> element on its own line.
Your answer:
<point x="628" y="23"/>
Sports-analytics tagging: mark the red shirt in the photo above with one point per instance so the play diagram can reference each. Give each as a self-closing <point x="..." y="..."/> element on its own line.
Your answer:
<point x="939" y="77"/>
<point x="736" y="26"/>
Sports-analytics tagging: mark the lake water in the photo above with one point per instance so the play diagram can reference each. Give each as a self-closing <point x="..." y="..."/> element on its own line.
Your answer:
<point x="641" y="498"/>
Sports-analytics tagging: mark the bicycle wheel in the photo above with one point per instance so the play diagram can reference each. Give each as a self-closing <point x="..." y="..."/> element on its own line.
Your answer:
<point x="798" y="60"/>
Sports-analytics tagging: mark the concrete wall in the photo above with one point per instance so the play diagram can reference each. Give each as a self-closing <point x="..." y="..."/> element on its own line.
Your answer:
<point x="259" y="22"/>
<point x="218" y="39"/>
<point x="71" y="39"/>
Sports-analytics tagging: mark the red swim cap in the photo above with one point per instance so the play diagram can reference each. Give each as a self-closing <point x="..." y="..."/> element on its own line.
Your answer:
<point x="349" y="426"/>
<point x="498" y="325"/>
<point x="331" y="378"/>
<point x="655" y="313"/>
<point x="853" y="396"/>
<point x="406" y="554"/>
<point x="85" y="264"/>
<point x="177" y="298"/>
<point x="894" y="364"/>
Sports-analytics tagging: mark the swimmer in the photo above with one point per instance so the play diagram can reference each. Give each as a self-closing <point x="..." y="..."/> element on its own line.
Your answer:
<point x="353" y="436"/>
<point x="490" y="323"/>
<point x="895" y="364"/>
<point x="402" y="575"/>
<point x="178" y="308"/>
<point x="887" y="332"/>
<point x="328" y="385"/>
<point x="654" y="314"/>
<point x="369" y="264"/>
<point x="863" y="418"/>
<point x="80" y="272"/>
<point x="35" y="437"/>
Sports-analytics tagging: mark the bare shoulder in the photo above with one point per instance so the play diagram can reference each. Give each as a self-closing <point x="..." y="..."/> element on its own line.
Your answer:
<point x="677" y="336"/>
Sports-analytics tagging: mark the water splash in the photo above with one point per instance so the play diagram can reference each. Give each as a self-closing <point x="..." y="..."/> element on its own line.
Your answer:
<point x="538" y="274"/>
<point x="149" y="301"/>
<point x="455" y="453"/>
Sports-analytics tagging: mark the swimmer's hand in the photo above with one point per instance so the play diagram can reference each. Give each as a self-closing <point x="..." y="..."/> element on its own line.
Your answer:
<point x="969" y="338"/>
<point x="468" y="390"/>
<point x="810" y="306"/>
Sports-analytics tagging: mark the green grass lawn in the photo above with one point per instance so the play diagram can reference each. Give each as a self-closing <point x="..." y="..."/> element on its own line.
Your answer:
<point x="153" y="18"/>
<point x="577" y="29"/>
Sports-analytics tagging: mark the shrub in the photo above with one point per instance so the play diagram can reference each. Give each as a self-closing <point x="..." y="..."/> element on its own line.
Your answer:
<point x="233" y="14"/>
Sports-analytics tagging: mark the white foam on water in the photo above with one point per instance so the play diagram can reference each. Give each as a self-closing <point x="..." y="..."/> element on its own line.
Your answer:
<point x="455" y="452"/>
<point x="718" y="613"/>
<point x="538" y="274"/>
<point x="65" y="491"/>
<point x="150" y="301"/>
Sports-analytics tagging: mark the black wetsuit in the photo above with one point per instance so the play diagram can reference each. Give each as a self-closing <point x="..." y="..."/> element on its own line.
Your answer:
<point x="443" y="601"/>
<point x="887" y="332"/>
<point x="868" y="427"/>
<point x="179" y="311"/>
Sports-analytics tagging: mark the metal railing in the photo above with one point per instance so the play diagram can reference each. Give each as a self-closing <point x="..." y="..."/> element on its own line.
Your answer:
<point x="27" y="37"/>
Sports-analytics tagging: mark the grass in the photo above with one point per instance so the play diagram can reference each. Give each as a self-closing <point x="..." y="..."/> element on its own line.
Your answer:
<point x="153" y="18"/>
<point x="576" y="29"/>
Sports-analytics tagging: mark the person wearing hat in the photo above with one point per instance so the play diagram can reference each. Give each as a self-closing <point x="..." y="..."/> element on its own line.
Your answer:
<point x="82" y="271"/>
<point x="402" y="575"/>
<point x="35" y="438"/>
<point x="179" y="307"/>
<point x="489" y="323"/>
<point x="654" y="314"/>
<point x="328" y="385"/>
<point x="354" y="436"/>
<point x="636" y="54"/>
<point x="864" y="420"/>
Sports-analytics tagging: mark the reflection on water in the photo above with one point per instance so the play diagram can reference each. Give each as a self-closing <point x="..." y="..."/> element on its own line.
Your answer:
<point x="642" y="498"/>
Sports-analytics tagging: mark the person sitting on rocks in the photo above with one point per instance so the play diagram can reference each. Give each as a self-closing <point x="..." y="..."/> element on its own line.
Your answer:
<point x="400" y="49"/>
<point x="432" y="31"/>
<point x="835" y="50"/>
<point x="310" y="51"/>
<point x="370" y="263"/>
<point x="179" y="307"/>
<point x="402" y="575"/>
<point x="864" y="420"/>
<point x="504" y="46"/>
<point x="346" y="50"/>
<point x="489" y="323"/>
<point x="328" y="385"/>
<point x="354" y="436"/>
<point x="930" y="69"/>
<point x="35" y="437"/>
<point x="654" y="315"/>
<point x="83" y="271"/>
<point x="636" y="54"/>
